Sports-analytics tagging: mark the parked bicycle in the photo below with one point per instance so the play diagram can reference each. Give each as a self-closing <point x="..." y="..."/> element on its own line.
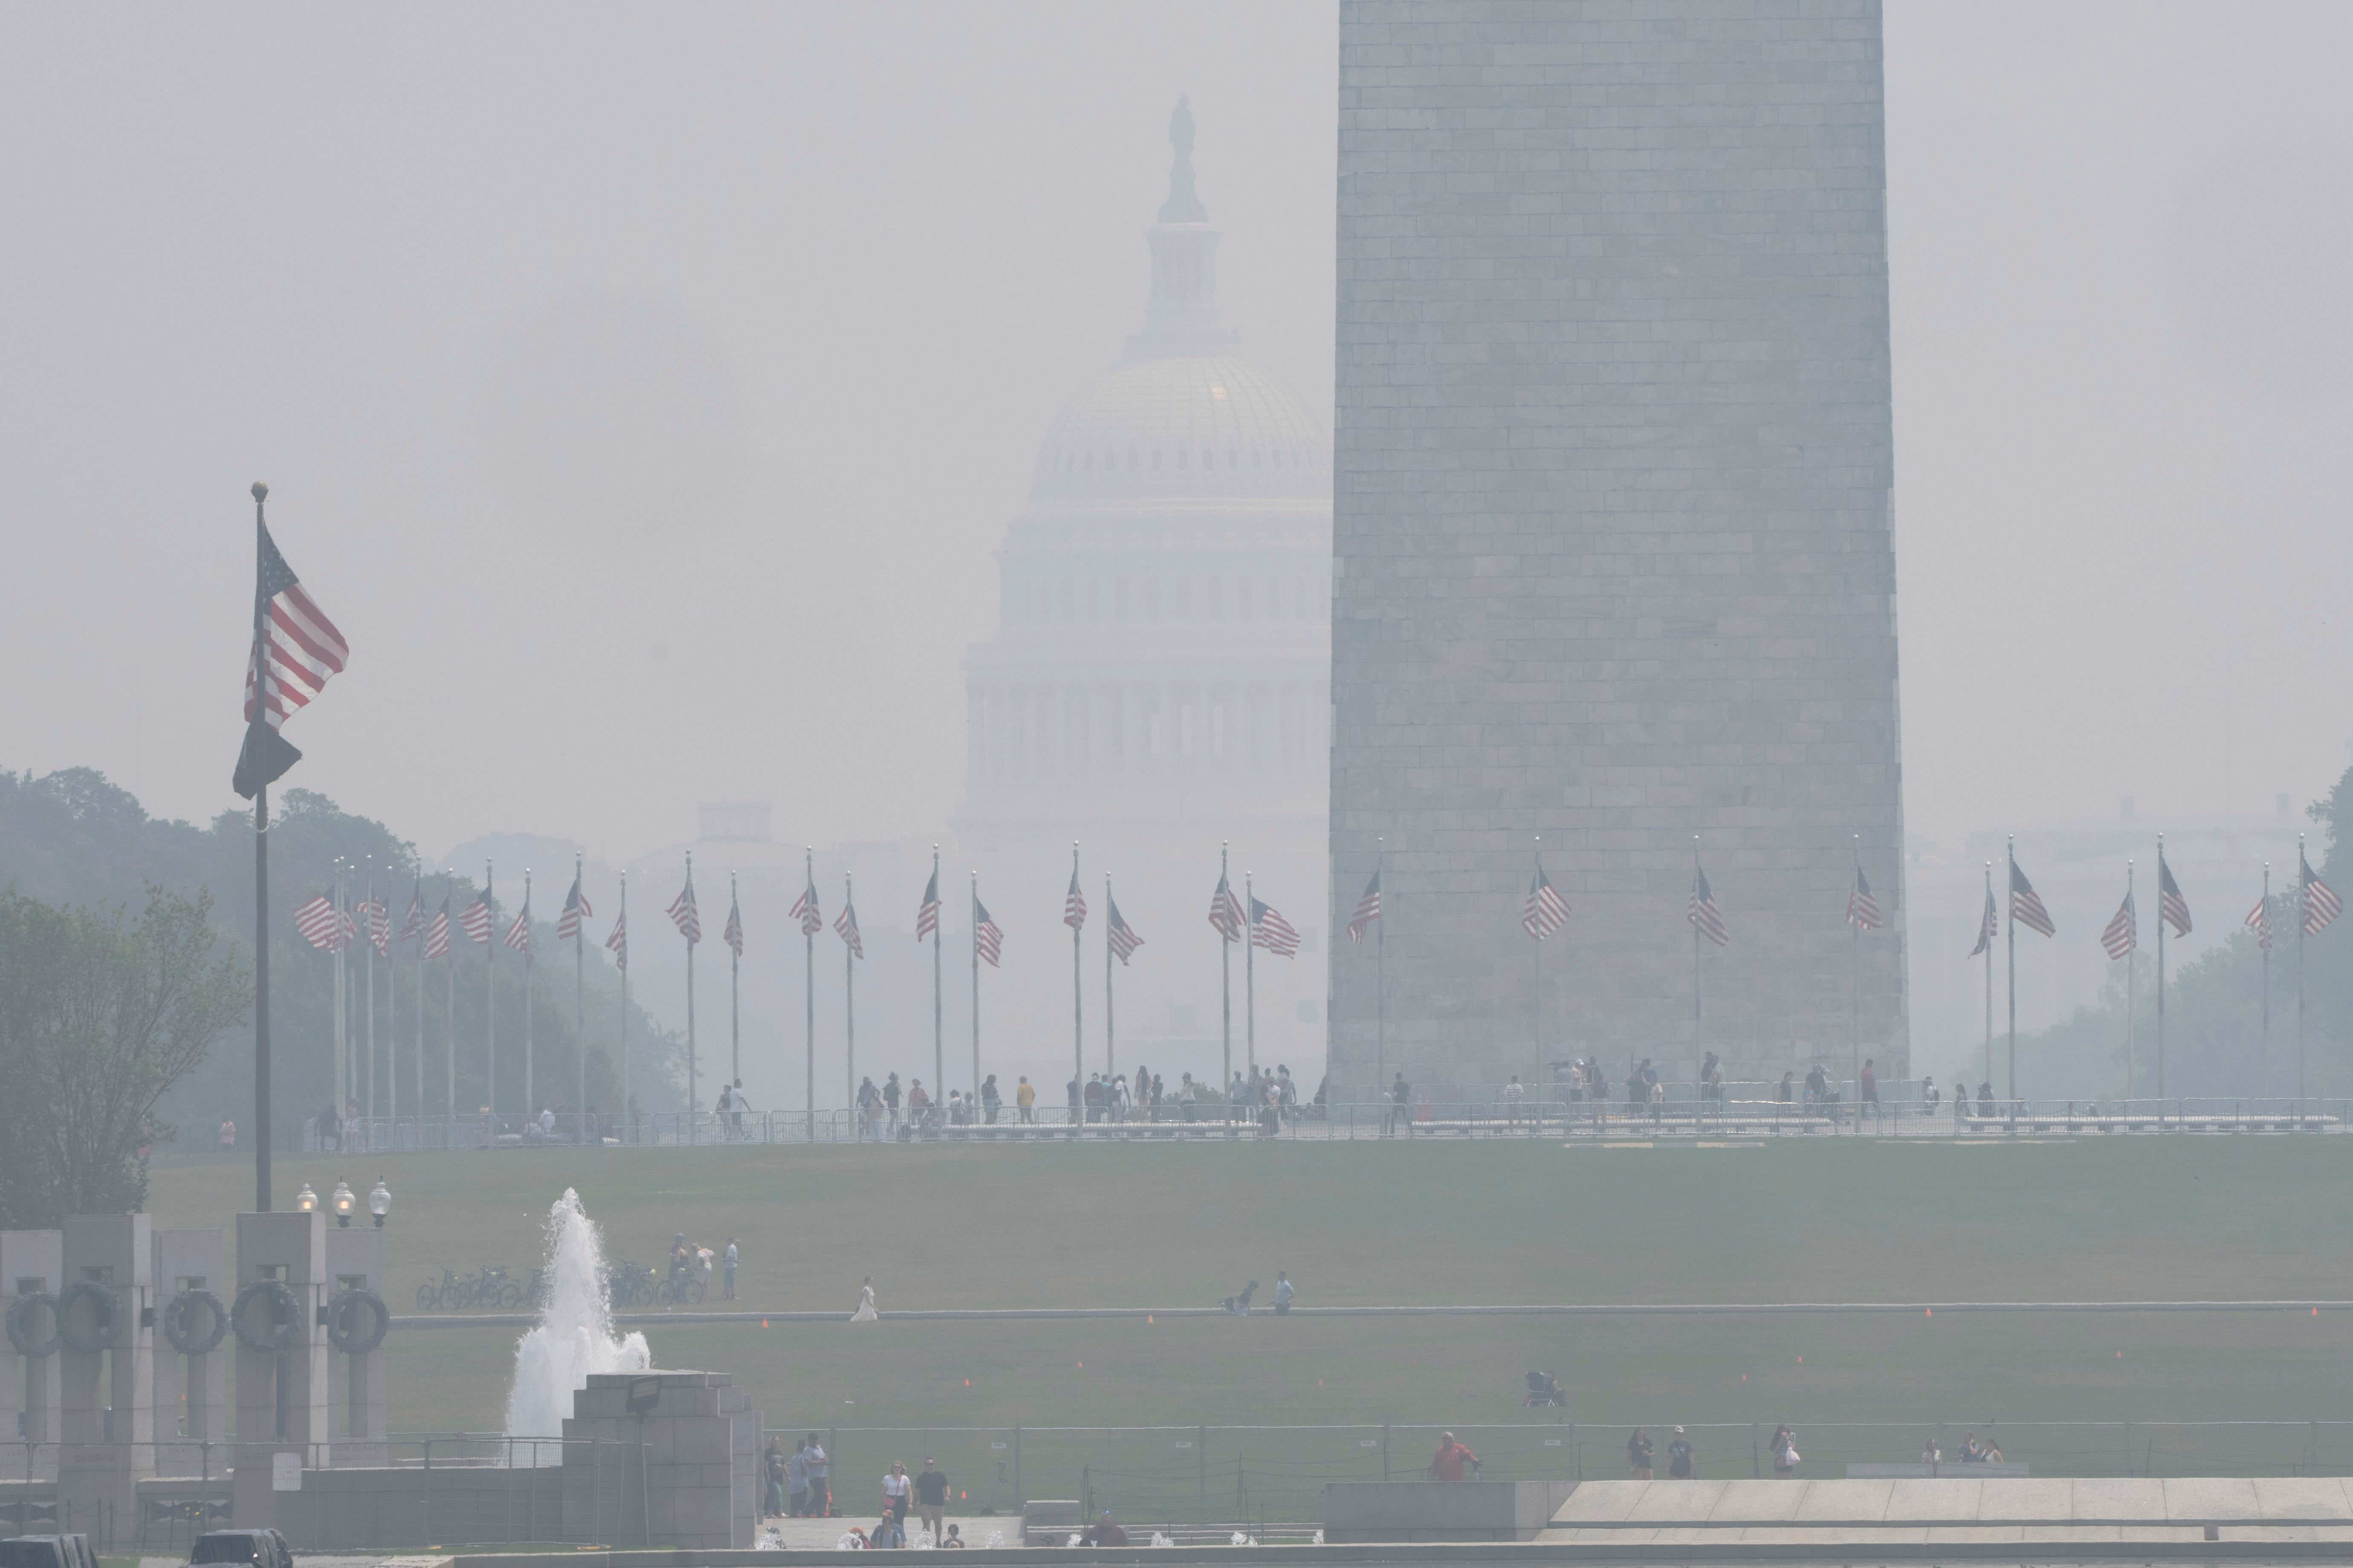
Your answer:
<point x="628" y="1284"/>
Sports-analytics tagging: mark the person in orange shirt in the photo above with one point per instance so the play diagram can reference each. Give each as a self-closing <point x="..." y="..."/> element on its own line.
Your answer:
<point x="1447" y="1465"/>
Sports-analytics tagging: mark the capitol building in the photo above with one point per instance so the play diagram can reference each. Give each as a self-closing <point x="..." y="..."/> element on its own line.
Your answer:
<point x="1158" y="685"/>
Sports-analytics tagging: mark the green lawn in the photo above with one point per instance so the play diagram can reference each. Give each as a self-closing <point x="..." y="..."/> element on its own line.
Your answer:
<point x="1433" y="1223"/>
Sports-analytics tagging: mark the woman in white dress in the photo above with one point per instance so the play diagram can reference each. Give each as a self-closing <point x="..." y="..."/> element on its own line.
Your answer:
<point x="866" y="1313"/>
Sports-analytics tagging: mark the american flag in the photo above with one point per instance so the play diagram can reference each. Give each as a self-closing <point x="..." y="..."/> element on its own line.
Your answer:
<point x="379" y="922"/>
<point x="682" y="912"/>
<point x="1121" y="936"/>
<point x="436" y="935"/>
<point x="414" y="925"/>
<point x="1989" y="924"/>
<point x="733" y="935"/>
<point x="2171" y="907"/>
<point x="300" y="648"/>
<point x="846" y="925"/>
<point x="2320" y="904"/>
<point x="575" y="910"/>
<point x="318" y="923"/>
<point x="617" y="943"/>
<point x="1074" y="903"/>
<point x="1703" y="915"/>
<point x="1545" y="910"/>
<point x="476" y="918"/>
<point x="2025" y="908"/>
<point x="2122" y="934"/>
<point x="519" y="932"/>
<point x="804" y="910"/>
<point x="1270" y="930"/>
<point x="1861" y="909"/>
<point x="1226" y="912"/>
<point x="2259" y="920"/>
<point x="986" y="936"/>
<point x="927" y="915"/>
<point x="1368" y="910"/>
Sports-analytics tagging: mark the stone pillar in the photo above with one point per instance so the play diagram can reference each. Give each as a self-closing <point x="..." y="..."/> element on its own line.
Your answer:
<point x="355" y="1413"/>
<point x="663" y="1458"/>
<point x="191" y="1395"/>
<point x="106" y="1411"/>
<point x="282" y="1395"/>
<point x="32" y="1263"/>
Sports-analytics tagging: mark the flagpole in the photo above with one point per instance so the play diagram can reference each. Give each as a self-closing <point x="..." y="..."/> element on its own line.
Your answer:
<point x="1110" y="1055"/>
<point x="1250" y="979"/>
<point x="808" y="992"/>
<point x="490" y="1008"/>
<point x="2303" y="918"/>
<point x="2161" y="965"/>
<point x="694" y="1090"/>
<point x="580" y="998"/>
<point x="343" y="1031"/>
<point x="621" y="1027"/>
<point x="391" y="1032"/>
<point x="2265" y="933"/>
<point x="1225" y="997"/>
<point x="939" y="1031"/>
<point x="849" y="995"/>
<point x="1380" y="970"/>
<point x="734" y="997"/>
<point x="416" y="894"/>
<point x="1078" y="1034"/>
<point x="1989" y="956"/>
<point x="1856" y="920"/>
<point x="449" y="1043"/>
<point x="256" y="732"/>
<point x="2012" y="967"/>
<point x="1536" y="1016"/>
<point x="367" y="1096"/>
<point x="2132" y="955"/>
<point x="975" y="983"/>
<point x="1695" y="925"/>
<point x="529" y="959"/>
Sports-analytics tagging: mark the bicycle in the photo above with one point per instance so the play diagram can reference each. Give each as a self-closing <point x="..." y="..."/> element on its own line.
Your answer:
<point x="687" y="1290"/>
<point x="628" y="1284"/>
<point x="431" y="1297"/>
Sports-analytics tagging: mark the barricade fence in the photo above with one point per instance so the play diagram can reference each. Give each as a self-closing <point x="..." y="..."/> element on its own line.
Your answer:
<point x="1729" y="1109"/>
<point x="1251" y="1476"/>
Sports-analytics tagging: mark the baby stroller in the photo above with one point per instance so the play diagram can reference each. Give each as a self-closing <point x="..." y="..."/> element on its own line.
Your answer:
<point x="1544" y="1389"/>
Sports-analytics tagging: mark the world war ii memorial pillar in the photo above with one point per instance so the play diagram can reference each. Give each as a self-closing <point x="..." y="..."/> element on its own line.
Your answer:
<point x="282" y="1382"/>
<point x="1612" y="538"/>
<point x="32" y="1268"/>
<point x="106" y="1320"/>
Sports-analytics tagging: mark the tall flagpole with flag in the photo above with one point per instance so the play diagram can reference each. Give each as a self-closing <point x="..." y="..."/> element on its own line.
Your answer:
<point x="519" y="938"/>
<point x="2122" y="940"/>
<point x="927" y="924"/>
<point x="804" y="910"/>
<point x="617" y="943"/>
<point x="2025" y="909"/>
<point x="413" y="928"/>
<point x="2172" y="909"/>
<point x="437" y="945"/>
<point x="477" y="921"/>
<point x="1270" y="930"/>
<point x="1111" y="944"/>
<point x="1368" y="914"/>
<point x="573" y="923"/>
<point x="1074" y="915"/>
<point x="1543" y="913"/>
<point x="1706" y="920"/>
<point x="295" y="648"/>
<point x="2259" y="920"/>
<point x="989" y="943"/>
<point x="734" y="935"/>
<point x="1989" y="926"/>
<point x="342" y="1036"/>
<point x="1250" y="988"/>
<point x="367" y="1027"/>
<point x="689" y="920"/>
<point x="852" y="949"/>
<point x="1862" y="913"/>
<point x="1227" y="919"/>
<point x="2316" y="905"/>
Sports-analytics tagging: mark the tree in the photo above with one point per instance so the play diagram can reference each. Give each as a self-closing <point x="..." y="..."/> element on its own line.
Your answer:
<point x="100" y="1016"/>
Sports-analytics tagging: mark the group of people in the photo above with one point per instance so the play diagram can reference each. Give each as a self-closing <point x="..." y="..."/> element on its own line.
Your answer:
<point x="689" y="1261"/>
<point x="885" y="1110"/>
<point x="1267" y="1098"/>
<point x="799" y="1486"/>
<point x="1970" y="1452"/>
<point x="1682" y="1464"/>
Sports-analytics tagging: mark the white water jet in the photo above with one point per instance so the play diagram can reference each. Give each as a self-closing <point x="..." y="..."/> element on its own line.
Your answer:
<point x="574" y="1338"/>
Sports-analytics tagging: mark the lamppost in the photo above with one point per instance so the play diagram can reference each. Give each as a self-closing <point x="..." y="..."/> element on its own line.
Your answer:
<point x="380" y="1201"/>
<point x="343" y="1203"/>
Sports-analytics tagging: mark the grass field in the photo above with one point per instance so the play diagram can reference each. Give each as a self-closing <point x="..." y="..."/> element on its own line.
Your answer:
<point x="1427" y="1224"/>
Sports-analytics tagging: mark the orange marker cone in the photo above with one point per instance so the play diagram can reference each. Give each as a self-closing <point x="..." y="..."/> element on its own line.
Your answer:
<point x="1931" y="1312"/>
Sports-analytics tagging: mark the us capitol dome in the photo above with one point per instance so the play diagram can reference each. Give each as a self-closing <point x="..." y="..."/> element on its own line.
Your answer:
<point x="1159" y="682"/>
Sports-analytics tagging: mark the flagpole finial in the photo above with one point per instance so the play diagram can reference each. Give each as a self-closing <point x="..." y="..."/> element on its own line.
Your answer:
<point x="260" y="492"/>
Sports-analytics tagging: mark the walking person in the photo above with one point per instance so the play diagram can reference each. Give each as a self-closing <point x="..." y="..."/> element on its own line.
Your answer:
<point x="1281" y="1294"/>
<point x="796" y="1480"/>
<point x="1400" y="1106"/>
<point x="727" y="1278"/>
<point x="1447" y="1463"/>
<point x="990" y="1100"/>
<point x="1024" y="1100"/>
<point x="1868" y="1094"/>
<point x="891" y="1100"/>
<point x="772" y="1475"/>
<point x="898" y="1495"/>
<point x="866" y="1313"/>
<point x="1785" y="1454"/>
<point x="1679" y="1467"/>
<point x="1639" y="1452"/>
<point x="932" y="1500"/>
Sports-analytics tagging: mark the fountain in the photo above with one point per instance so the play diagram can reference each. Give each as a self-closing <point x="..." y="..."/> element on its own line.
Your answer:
<point x="573" y="1337"/>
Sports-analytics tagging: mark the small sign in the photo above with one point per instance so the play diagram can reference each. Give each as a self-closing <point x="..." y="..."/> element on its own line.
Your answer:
<point x="997" y="1444"/>
<point x="1183" y="1443"/>
<point x="1552" y="1442"/>
<point x="1366" y="1443"/>
<point x="285" y="1472"/>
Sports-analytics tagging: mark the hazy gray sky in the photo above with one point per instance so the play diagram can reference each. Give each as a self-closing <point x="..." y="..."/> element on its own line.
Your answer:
<point x="644" y="389"/>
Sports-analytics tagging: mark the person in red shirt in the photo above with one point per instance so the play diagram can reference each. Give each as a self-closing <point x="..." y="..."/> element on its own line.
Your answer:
<point x="1103" y="1532"/>
<point x="1447" y="1466"/>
